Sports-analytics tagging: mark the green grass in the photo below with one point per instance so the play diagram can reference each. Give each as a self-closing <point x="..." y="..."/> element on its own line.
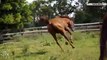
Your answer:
<point x="43" y="47"/>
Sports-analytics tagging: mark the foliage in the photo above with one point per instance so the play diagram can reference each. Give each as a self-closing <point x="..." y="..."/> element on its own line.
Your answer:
<point x="64" y="7"/>
<point x="45" y="7"/>
<point x="90" y="14"/>
<point x="14" y="12"/>
<point x="85" y="17"/>
<point x="51" y="8"/>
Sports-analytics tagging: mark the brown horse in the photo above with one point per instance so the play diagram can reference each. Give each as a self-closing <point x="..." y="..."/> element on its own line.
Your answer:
<point x="69" y="21"/>
<point x="61" y="25"/>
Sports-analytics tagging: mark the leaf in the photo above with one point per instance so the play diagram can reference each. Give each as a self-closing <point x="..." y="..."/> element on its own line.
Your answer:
<point x="7" y="6"/>
<point x="17" y="17"/>
<point x="9" y="19"/>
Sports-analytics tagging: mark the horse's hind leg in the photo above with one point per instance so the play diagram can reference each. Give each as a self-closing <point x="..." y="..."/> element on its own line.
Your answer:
<point x="68" y="29"/>
<point x="70" y="38"/>
<point x="54" y="36"/>
<point x="64" y="34"/>
<point x="71" y="26"/>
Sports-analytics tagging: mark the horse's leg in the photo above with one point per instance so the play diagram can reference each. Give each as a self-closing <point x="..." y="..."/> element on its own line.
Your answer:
<point x="64" y="34"/>
<point x="72" y="29"/>
<point x="54" y="36"/>
<point x="68" y="29"/>
<point x="71" y="26"/>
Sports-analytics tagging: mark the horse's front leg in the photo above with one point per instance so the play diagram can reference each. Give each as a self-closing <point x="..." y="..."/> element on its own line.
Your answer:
<point x="69" y="35"/>
<point x="68" y="29"/>
<point x="64" y="34"/>
<point x="54" y="36"/>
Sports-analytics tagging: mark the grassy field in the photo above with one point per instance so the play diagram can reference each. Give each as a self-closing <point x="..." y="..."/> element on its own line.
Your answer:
<point x="43" y="47"/>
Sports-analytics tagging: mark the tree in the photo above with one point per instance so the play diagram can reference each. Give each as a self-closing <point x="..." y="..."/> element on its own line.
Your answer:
<point x="62" y="7"/>
<point x="96" y="12"/>
<point x="14" y="14"/>
<point x="51" y="8"/>
<point x="90" y="13"/>
<point x="39" y="8"/>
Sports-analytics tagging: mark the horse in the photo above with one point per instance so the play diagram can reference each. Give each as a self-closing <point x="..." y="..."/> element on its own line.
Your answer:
<point x="61" y="25"/>
<point x="103" y="39"/>
<point x="69" y="21"/>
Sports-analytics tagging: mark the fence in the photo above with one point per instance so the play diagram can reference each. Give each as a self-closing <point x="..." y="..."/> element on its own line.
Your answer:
<point x="77" y="27"/>
<point x="88" y="26"/>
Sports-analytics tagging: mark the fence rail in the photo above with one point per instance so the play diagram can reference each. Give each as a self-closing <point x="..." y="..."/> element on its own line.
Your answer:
<point x="77" y="27"/>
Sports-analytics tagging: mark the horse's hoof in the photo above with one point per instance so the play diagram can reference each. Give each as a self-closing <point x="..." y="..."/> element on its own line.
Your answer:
<point x="66" y="43"/>
<point x="73" y="47"/>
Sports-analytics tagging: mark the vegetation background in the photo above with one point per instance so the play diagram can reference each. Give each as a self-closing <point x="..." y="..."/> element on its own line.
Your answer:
<point x="18" y="14"/>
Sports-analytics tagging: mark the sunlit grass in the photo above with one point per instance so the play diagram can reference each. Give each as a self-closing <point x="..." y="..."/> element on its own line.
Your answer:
<point x="43" y="47"/>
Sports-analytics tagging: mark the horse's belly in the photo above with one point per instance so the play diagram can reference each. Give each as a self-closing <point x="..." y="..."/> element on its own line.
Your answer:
<point x="54" y="28"/>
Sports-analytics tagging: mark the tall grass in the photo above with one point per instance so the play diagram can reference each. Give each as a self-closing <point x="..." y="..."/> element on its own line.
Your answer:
<point x="43" y="47"/>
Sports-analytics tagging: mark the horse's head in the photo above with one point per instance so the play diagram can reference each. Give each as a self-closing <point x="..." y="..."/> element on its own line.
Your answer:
<point x="44" y="19"/>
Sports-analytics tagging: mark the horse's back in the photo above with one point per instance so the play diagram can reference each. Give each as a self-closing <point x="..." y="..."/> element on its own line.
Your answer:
<point x="58" y="21"/>
<point x="56" y="24"/>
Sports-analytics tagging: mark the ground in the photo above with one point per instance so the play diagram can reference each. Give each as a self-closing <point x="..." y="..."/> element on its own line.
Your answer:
<point x="43" y="47"/>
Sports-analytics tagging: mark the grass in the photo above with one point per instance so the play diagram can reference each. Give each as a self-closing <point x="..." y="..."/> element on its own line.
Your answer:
<point x="43" y="47"/>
